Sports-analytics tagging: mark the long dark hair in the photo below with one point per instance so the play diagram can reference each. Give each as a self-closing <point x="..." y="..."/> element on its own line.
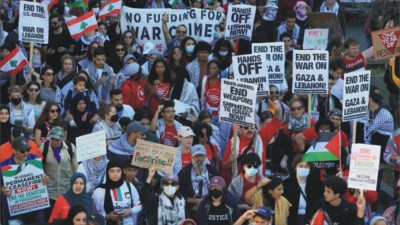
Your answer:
<point x="275" y="182"/>
<point x="43" y="71"/>
<point x="153" y="73"/>
<point x="38" y="100"/>
<point x="223" y="61"/>
<point x="171" y="60"/>
<point x="44" y="116"/>
<point x="181" y="74"/>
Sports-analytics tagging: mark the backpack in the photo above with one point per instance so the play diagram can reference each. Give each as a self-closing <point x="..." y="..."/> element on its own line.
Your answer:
<point x="46" y="149"/>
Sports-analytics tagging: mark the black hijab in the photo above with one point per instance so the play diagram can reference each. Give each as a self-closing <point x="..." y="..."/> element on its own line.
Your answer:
<point x="5" y="128"/>
<point x="73" y="211"/>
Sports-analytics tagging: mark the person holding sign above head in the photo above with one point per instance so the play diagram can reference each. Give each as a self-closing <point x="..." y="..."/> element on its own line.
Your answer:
<point x="21" y="154"/>
<point x="116" y="199"/>
<point x="166" y="207"/>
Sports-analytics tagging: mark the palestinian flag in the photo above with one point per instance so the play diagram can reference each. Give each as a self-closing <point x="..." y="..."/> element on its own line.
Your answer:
<point x="325" y="148"/>
<point x="13" y="62"/>
<point x="111" y="7"/>
<point x="173" y="3"/>
<point x="80" y="4"/>
<point x="83" y="24"/>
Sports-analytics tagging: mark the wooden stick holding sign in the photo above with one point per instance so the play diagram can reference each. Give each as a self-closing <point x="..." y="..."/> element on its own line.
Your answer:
<point x="234" y="151"/>
<point x="309" y="111"/>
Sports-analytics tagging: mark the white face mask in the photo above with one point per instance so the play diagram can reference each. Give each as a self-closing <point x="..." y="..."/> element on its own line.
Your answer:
<point x="302" y="172"/>
<point x="251" y="172"/>
<point x="169" y="190"/>
<point x="223" y="53"/>
<point x="189" y="49"/>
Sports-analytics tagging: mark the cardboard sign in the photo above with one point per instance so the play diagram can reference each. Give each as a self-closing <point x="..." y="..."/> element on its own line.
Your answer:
<point x="249" y="69"/>
<point x="33" y="22"/>
<point x="238" y="102"/>
<point x="316" y="39"/>
<point x="161" y="157"/>
<point x="24" y="180"/>
<point x="356" y="95"/>
<point x="274" y="60"/>
<point x="240" y="22"/>
<point x="91" y="145"/>
<point x="364" y="167"/>
<point x="386" y="43"/>
<point x="310" y="71"/>
<point x="147" y="24"/>
<point x="326" y="20"/>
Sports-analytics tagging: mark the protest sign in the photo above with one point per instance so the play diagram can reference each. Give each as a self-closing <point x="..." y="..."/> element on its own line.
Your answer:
<point x="161" y="157"/>
<point x="240" y="22"/>
<point x="274" y="60"/>
<point x="326" y="20"/>
<point x="364" y="166"/>
<point x="310" y="71"/>
<point x="315" y="39"/>
<point x="356" y="95"/>
<point x="24" y="180"/>
<point x="249" y="69"/>
<point x="91" y="145"/>
<point x="386" y="43"/>
<point x="33" y="22"/>
<point x="147" y="24"/>
<point x="238" y="101"/>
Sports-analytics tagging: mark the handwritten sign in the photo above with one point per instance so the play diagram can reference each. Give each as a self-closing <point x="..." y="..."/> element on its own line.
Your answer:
<point x="274" y="60"/>
<point x="316" y="39"/>
<point x="91" y="145"/>
<point x="161" y="157"/>
<point x="386" y="43"/>
<point x="364" y="166"/>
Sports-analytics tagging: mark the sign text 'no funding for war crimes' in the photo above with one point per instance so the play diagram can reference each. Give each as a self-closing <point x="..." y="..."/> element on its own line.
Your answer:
<point x="24" y="180"/>
<point x="249" y="69"/>
<point x="310" y="71"/>
<point x="240" y="22"/>
<point x="159" y="156"/>
<point x="274" y="60"/>
<point x="91" y="145"/>
<point x="33" y="23"/>
<point x="315" y="39"/>
<point x="364" y="166"/>
<point x="147" y="24"/>
<point x="356" y="95"/>
<point x="238" y="100"/>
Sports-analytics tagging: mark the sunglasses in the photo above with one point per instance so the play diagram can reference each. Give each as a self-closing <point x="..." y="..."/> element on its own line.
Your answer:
<point x="54" y="110"/>
<point x="274" y="92"/>
<point x="33" y="90"/>
<point x="130" y="37"/>
<point x="25" y="151"/>
<point x="180" y="32"/>
<point x="286" y="40"/>
<point x="49" y="74"/>
<point x="55" y="139"/>
<point x="170" y="184"/>
<point x="296" y="108"/>
<point x="252" y="166"/>
<point x="119" y="49"/>
<point x="54" y="23"/>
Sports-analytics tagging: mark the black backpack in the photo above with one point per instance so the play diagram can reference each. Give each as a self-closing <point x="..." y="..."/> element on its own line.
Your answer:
<point x="46" y="149"/>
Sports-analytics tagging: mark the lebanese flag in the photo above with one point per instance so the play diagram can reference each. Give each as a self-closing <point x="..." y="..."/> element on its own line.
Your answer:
<point x="49" y="3"/>
<point x="319" y="218"/>
<point x="13" y="62"/>
<point x="83" y="24"/>
<point x="325" y="148"/>
<point x="111" y="7"/>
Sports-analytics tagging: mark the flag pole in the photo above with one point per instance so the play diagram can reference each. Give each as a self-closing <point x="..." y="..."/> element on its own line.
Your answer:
<point x="354" y="131"/>
<point x="30" y="56"/>
<point x="309" y="111"/>
<point x="340" y="148"/>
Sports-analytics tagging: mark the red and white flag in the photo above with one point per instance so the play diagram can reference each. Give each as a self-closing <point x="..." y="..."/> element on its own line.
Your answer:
<point x="111" y="7"/>
<point x="83" y="24"/>
<point x="49" y="3"/>
<point x="13" y="62"/>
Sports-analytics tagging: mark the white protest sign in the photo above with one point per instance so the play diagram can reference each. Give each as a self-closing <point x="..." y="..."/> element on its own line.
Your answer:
<point x="238" y="101"/>
<point x="274" y="60"/>
<point x="310" y="71"/>
<point x="147" y="24"/>
<point x="356" y="95"/>
<point x="33" y="22"/>
<point x="249" y="69"/>
<point x="24" y="180"/>
<point x="364" y="166"/>
<point x="316" y="39"/>
<point x="240" y="22"/>
<point x="91" y="145"/>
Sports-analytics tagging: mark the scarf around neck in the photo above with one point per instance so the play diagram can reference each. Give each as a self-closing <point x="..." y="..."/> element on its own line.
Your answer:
<point x="298" y="125"/>
<point x="81" y="198"/>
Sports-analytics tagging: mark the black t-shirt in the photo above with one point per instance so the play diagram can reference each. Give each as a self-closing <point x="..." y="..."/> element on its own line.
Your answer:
<point x="219" y="215"/>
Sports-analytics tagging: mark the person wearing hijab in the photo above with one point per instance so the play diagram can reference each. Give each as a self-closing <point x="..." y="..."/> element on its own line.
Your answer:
<point x="76" y="216"/>
<point x="117" y="200"/>
<point x="5" y="124"/>
<point x="95" y="171"/>
<point x="76" y="195"/>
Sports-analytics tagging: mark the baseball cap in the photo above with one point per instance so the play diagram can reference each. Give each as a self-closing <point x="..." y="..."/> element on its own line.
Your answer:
<point x="185" y="132"/>
<point x="264" y="212"/>
<point x="375" y="94"/>
<point x="136" y="127"/>
<point x="173" y="177"/>
<point x="21" y="144"/>
<point x="147" y="47"/>
<point x="128" y="57"/>
<point x="96" y="219"/>
<point x="218" y="182"/>
<point x="57" y="133"/>
<point x="198" y="150"/>
<point x="19" y="131"/>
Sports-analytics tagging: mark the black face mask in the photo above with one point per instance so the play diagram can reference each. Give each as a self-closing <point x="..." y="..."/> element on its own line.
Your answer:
<point x="215" y="193"/>
<point x="16" y="101"/>
<point x="114" y="118"/>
